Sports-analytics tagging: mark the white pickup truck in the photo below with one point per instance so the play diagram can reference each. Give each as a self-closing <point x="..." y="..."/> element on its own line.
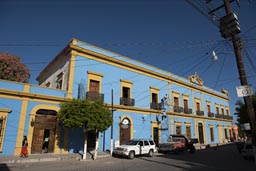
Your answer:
<point x="135" y="147"/>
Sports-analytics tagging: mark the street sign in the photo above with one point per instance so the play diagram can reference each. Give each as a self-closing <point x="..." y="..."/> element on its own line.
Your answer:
<point x="245" y="127"/>
<point x="243" y="91"/>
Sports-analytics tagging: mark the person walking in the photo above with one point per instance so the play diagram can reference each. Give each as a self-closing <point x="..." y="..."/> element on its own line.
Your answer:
<point x="24" y="149"/>
<point x="45" y="144"/>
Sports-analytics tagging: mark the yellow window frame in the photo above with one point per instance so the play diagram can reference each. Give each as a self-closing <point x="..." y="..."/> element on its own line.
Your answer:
<point x="95" y="77"/>
<point x="3" y="116"/>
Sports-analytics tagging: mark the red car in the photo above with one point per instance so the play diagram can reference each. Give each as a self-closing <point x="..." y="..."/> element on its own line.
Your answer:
<point x="176" y="143"/>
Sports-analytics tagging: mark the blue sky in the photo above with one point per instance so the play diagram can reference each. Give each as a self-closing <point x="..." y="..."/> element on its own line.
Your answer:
<point x="174" y="35"/>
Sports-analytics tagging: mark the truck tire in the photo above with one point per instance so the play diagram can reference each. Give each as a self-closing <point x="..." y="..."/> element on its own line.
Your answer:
<point x="131" y="155"/>
<point x="192" y="149"/>
<point x="151" y="153"/>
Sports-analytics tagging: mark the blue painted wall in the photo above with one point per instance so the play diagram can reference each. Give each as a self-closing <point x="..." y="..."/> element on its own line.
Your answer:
<point x="111" y="80"/>
<point x="15" y="105"/>
<point x="9" y="141"/>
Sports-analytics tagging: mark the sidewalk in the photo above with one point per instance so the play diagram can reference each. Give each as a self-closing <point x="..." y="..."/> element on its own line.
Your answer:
<point x="48" y="157"/>
<point x="56" y="157"/>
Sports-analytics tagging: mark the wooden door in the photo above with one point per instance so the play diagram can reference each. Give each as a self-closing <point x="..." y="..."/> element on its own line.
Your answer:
<point x="201" y="133"/>
<point x="94" y="86"/>
<point x="37" y="141"/>
<point x="125" y="131"/>
<point x="176" y="102"/>
<point x="51" y="142"/>
<point x="185" y="105"/>
<point x="156" y="135"/>
<point x="42" y="123"/>
<point x="50" y="124"/>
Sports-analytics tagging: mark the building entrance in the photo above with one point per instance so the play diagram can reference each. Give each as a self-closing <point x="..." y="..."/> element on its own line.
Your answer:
<point x="125" y="131"/>
<point x="44" y="132"/>
<point x="201" y="133"/>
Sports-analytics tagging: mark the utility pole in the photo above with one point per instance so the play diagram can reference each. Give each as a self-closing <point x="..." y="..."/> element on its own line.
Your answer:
<point x="239" y="60"/>
<point x="112" y="111"/>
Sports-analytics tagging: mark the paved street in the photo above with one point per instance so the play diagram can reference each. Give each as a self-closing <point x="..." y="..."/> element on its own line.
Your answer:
<point x="225" y="158"/>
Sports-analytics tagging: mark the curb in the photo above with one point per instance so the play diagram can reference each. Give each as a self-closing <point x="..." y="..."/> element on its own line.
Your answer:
<point x="33" y="159"/>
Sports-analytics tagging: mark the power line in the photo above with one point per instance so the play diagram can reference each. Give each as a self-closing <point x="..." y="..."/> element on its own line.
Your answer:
<point x="249" y="58"/>
<point x="202" y="11"/>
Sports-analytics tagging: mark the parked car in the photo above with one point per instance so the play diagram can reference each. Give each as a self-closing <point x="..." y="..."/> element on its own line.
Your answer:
<point x="177" y="143"/>
<point x="136" y="147"/>
<point x="247" y="151"/>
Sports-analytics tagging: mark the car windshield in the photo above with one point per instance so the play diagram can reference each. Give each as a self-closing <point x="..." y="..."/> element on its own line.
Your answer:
<point x="132" y="142"/>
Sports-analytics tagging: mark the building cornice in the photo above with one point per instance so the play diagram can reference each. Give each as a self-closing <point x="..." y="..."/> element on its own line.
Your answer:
<point x="28" y="95"/>
<point x="4" y="110"/>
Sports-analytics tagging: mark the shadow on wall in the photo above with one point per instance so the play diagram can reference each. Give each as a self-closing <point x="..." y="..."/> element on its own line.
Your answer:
<point x="75" y="140"/>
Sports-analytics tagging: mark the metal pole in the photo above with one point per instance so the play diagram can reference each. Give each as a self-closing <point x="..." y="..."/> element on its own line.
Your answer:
<point x="104" y="141"/>
<point x="243" y="80"/>
<point x="112" y="111"/>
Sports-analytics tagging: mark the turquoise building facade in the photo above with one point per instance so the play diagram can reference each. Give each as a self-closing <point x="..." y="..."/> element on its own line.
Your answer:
<point x="148" y="102"/>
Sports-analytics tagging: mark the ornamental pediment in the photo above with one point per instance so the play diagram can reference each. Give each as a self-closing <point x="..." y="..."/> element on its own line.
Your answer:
<point x="196" y="79"/>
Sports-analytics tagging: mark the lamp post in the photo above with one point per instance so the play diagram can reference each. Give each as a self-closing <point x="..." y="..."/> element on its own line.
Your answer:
<point x="248" y="101"/>
<point x="229" y="28"/>
<point x="112" y="111"/>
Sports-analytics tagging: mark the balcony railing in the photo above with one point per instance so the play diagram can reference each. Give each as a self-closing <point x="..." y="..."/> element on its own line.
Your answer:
<point x="210" y="114"/>
<point x="156" y="106"/>
<point x="200" y="112"/>
<point x="187" y="111"/>
<point x="218" y="116"/>
<point x="178" y="109"/>
<point x="94" y="96"/>
<point x="225" y="116"/>
<point x="127" y="101"/>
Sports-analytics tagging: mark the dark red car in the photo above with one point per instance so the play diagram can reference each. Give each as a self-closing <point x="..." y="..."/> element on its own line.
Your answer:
<point x="177" y="143"/>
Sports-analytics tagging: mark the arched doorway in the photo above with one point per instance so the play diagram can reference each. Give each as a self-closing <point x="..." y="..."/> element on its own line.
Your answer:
<point x="44" y="131"/>
<point x="201" y="133"/>
<point x="125" y="130"/>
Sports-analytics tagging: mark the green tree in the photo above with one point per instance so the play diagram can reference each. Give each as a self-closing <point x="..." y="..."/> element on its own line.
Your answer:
<point x="89" y="115"/>
<point x="242" y="115"/>
<point x="12" y="69"/>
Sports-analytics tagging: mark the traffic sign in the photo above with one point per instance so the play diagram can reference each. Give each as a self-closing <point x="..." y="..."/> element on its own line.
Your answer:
<point x="243" y="91"/>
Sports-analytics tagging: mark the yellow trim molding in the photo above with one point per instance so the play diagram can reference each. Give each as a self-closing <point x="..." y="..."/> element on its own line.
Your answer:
<point x="31" y="128"/>
<point x="3" y="116"/>
<point x="71" y="74"/>
<point x="21" y="127"/>
<point x="125" y="83"/>
<point x="96" y="77"/>
<point x="155" y="91"/>
<point x="155" y="124"/>
<point x="131" y="124"/>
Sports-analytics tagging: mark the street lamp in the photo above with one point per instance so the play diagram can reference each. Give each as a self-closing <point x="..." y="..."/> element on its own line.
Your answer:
<point x="214" y="56"/>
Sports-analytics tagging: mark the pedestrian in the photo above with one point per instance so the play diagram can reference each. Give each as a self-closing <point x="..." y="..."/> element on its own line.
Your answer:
<point x="45" y="145"/>
<point x="24" y="149"/>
